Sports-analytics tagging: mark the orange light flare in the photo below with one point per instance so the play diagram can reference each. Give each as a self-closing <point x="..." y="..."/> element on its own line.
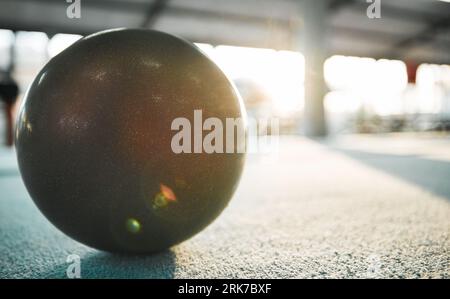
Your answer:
<point x="168" y="193"/>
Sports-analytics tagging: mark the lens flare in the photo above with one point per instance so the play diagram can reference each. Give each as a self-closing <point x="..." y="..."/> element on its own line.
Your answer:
<point x="133" y="226"/>
<point x="164" y="197"/>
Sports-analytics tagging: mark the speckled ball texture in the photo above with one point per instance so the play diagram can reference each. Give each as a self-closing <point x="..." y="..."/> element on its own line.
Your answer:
<point x="93" y="141"/>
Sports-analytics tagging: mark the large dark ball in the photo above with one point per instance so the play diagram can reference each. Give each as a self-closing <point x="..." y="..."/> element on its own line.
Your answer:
<point x="94" y="136"/>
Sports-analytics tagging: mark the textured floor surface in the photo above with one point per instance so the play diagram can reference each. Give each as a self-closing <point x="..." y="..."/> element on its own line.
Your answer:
<point x="352" y="207"/>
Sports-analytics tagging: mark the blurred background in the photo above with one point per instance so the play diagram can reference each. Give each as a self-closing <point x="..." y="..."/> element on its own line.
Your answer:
<point x="361" y="184"/>
<point x="363" y="75"/>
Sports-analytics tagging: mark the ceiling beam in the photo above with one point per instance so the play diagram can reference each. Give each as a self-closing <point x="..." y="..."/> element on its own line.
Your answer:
<point x="226" y="16"/>
<point x="424" y="36"/>
<point x="379" y="36"/>
<point x="154" y="11"/>
<point x="336" y="5"/>
<point x="391" y="11"/>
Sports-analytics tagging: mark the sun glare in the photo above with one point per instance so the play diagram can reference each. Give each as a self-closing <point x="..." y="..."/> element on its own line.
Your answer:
<point x="59" y="42"/>
<point x="356" y="82"/>
<point x="279" y="74"/>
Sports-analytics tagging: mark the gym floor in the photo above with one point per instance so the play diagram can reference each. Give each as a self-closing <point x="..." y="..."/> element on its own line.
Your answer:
<point x="350" y="207"/>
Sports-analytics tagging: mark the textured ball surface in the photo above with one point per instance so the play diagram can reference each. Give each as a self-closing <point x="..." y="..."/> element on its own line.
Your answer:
<point x="93" y="141"/>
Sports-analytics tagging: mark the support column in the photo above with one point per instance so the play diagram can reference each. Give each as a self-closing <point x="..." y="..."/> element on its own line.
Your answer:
<point x="312" y="43"/>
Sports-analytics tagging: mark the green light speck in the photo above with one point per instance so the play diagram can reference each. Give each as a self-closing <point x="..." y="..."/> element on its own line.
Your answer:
<point x="160" y="201"/>
<point x="133" y="226"/>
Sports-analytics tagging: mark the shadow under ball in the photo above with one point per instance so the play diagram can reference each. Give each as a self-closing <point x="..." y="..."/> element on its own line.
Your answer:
<point x="93" y="141"/>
